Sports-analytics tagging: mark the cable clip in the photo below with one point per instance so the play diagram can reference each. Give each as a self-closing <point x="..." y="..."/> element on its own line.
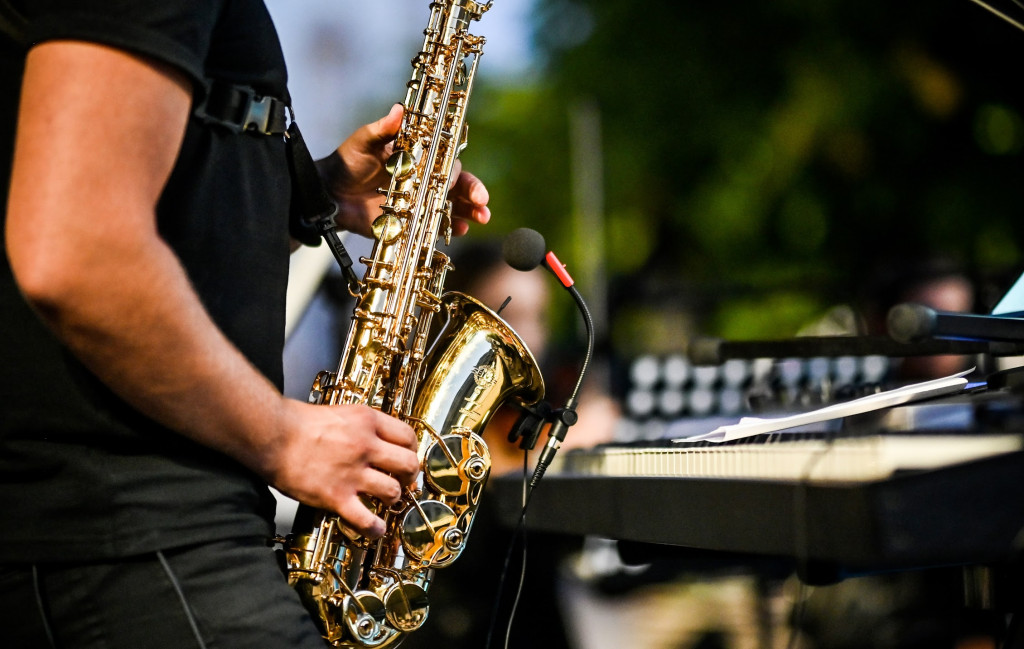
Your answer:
<point x="532" y="420"/>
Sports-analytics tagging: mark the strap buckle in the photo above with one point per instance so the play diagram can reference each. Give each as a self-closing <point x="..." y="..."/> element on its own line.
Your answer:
<point x="257" y="115"/>
<point x="242" y="110"/>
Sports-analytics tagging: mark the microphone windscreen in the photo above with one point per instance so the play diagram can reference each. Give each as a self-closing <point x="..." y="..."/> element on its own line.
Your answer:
<point x="523" y="249"/>
<point x="909" y="322"/>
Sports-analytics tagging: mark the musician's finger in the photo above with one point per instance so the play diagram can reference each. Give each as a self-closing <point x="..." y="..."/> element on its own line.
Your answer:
<point x="382" y="486"/>
<point x="355" y="513"/>
<point x="469" y="190"/>
<point x="395" y="431"/>
<point x="403" y="465"/>
<point x="386" y="128"/>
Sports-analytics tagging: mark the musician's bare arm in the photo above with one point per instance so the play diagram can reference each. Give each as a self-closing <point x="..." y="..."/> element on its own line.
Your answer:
<point x="98" y="135"/>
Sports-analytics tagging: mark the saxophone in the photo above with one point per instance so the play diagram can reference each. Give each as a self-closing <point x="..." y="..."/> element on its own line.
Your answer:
<point x="370" y="593"/>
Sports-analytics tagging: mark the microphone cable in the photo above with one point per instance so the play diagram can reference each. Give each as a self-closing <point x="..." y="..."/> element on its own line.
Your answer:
<point x="520" y="529"/>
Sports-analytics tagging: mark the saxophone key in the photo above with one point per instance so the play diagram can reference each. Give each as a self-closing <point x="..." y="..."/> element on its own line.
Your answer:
<point x="364" y="614"/>
<point x="407" y="606"/>
<point x="454" y="464"/>
<point x="401" y="163"/>
<point x="387" y="227"/>
<point x="423" y="532"/>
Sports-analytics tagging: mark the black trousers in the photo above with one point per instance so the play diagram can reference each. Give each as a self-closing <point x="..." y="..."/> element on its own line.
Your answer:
<point x="223" y="595"/>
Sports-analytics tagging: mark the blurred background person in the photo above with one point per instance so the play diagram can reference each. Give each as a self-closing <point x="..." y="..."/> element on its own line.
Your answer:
<point x="938" y="282"/>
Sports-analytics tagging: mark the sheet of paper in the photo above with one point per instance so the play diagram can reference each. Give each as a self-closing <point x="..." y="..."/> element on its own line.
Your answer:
<point x="1012" y="304"/>
<point x="750" y="426"/>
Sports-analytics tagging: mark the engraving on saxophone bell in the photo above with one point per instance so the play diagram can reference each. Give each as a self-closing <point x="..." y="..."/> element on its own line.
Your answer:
<point x="484" y="376"/>
<point x="370" y="592"/>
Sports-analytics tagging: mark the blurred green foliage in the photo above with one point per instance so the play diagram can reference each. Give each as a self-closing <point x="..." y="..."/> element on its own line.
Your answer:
<point x="761" y="162"/>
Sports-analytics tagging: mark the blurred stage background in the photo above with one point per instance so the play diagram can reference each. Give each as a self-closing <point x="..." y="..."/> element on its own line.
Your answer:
<point x="746" y="170"/>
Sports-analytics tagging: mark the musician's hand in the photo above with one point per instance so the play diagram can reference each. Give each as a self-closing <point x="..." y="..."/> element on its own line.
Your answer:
<point x="469" y="200"/>
<point x="356" y="169"/>
<point x="331" y="455"/>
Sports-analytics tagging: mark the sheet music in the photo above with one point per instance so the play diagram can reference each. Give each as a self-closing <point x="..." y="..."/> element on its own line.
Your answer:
<point x="1012" y="303"/>
<point x="750" y="426"/>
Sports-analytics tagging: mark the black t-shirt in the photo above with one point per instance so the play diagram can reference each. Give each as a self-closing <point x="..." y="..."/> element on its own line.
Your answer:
<point x="83" y="475"/>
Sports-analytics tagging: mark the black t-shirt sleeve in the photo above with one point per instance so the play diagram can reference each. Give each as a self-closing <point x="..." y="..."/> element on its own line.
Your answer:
<point x="173" y="31"/>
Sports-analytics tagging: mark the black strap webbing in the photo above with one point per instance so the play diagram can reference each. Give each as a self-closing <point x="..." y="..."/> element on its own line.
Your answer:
<point x="311" y="203"/>
<point x="313" y="210"/>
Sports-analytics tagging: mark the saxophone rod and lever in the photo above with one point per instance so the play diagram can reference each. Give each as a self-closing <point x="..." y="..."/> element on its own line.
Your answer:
<point x="524" y="249"/>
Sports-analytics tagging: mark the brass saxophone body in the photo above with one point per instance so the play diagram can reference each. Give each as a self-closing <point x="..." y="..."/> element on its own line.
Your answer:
<point x="370" y="593"/>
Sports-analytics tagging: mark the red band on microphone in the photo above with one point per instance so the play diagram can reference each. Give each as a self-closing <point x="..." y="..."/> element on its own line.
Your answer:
<point x="558" y="269"/>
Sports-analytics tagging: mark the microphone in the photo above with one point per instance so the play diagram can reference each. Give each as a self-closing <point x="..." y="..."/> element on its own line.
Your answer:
<point x="523" y="250"/>
<point x="911" y="322"/>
